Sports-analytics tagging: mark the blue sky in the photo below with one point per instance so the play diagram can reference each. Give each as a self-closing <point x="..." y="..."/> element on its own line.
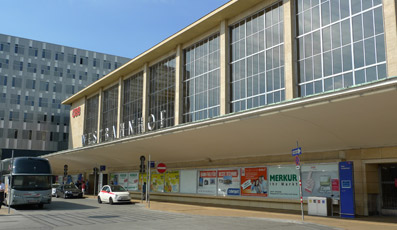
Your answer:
<point x="120" y="27"/>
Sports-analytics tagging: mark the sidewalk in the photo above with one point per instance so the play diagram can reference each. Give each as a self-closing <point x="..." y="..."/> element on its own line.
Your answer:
<point x="4" y="210"/>
<point x="359" y="223"/>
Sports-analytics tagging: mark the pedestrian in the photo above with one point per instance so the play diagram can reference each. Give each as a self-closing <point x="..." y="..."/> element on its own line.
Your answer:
<point x="83" y="187"/>
<point x="144" y="191"/>
<point x="86" y="185"/>
<point x="2" y="188"/>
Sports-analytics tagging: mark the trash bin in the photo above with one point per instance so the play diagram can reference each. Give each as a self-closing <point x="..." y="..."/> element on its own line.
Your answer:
<point x="319" y="206"/>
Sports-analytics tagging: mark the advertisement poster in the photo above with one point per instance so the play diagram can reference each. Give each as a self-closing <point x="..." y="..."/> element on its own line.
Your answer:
<point x="133" y="180"/>
<point x="207" y="182"/>
<point x="123" y="180"/>
<point x="157" y="184"/>
<point x="188" y="181"/>
<point x="171" y="181"/>
<point x="320" y="180"/>
<point x="142" y="180"/>
<point x="254" y="182"/>
<point x="283" y="182"/>
<point x="228" y="182"/>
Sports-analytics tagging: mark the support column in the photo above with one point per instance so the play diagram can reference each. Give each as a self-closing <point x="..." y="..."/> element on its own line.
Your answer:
<point x="290" y="51"/>
<point x="99" y="115"/>
<point x="389" y="15"/>
<point x="119" y="106"/>
<point x="145" y="96"/>
<point x="178" y="110"/>
<point x="224" y="69"/>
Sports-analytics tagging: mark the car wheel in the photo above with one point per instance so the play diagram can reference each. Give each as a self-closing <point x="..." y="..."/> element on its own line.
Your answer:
<point x="110" y="201"/>
<point x="99" y="200"/>
<point x="41" y="206"/>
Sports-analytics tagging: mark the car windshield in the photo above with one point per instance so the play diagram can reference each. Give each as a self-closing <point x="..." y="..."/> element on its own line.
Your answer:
<point x="117" y="188"/>
<point x="69" y="186"/>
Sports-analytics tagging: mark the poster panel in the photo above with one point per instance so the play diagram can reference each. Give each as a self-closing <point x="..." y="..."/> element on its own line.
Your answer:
<point x="283" y="182"/>
<point x="228" y="182"/>
<point x="188" y="181"/>
<point x="207" y="182"/>
<point x="171" y="181"/>
<point x="133" y="179"/>
<point x="254" y="181"/>
<point x="320" y="180"/>
<point x="157" y="182"/>
<point x="142" y="180"/>
<point x="123" y="180"/>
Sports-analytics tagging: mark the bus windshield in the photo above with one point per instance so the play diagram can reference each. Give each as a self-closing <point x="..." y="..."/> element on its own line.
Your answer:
<point x="31" y="165"/>
<point x="31" y="182"/>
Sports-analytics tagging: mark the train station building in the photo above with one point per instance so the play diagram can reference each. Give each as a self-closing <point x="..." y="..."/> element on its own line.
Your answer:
<point x="224" y="101"/>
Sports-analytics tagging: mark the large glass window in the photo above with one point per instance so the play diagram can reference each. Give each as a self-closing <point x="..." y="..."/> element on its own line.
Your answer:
<point x="340" y="43"/>
<point x="109" y="113"/>
<point x="201" y="80"/>
<point x="132" y="106"/>
<point x="91" y="119"/>
<point x="162" y="94"/>
<point x="257" y="59"/>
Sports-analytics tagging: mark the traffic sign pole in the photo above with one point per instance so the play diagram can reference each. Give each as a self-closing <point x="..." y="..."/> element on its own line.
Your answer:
<point x="148" y="184"/>
<point x="296" y="152"/>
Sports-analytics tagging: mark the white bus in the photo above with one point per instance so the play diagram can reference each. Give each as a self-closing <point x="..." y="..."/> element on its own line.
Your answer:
<point x="27" y="181"/>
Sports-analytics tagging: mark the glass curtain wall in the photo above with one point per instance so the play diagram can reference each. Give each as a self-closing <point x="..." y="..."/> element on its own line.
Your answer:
<point x="132" y="106"/>
<point x="162" y="94"/>
<point x="109" y="113"/>
<point x="201" y="80"/>
<point x="257" y="59"/>
<point x="91" y="118"/>
<point x="340" y="44"/>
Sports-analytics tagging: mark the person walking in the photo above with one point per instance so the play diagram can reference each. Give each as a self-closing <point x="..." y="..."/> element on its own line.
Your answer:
<point x="2" y="188"/>
<point x="83" y="187"/>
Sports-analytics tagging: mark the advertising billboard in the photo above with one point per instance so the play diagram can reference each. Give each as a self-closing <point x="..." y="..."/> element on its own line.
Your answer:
<point x="171" y="181"/>
<point x="254" y="181"/>
<point x="157" y="182"/>
<point x="320" y="180"/>
<point x="207" y="182"/>
<point x="228" y="182"/>
<point x="283" y="182"/>
<point x="123" y="180"/>
<point x="133" y="179"/>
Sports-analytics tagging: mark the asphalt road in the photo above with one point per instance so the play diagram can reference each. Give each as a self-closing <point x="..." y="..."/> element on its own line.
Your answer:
<point x="87" y="214"/>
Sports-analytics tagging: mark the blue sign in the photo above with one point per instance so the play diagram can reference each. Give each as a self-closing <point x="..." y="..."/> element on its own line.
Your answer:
<point x="233" y="191"/>
<point x="152" y="164"/>
<point x="102" y="168"/>
<point x="297" y="151"/>
<point x="347" y="209"/>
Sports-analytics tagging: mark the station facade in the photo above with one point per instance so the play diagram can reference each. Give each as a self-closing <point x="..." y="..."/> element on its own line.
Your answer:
<point x="224" y="101"/>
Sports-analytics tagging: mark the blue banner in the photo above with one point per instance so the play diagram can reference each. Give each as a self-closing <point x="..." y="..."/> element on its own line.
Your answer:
<point x="346" y="189"/>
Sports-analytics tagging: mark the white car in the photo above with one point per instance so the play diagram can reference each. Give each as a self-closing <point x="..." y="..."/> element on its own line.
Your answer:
<point x="114" y="194"/>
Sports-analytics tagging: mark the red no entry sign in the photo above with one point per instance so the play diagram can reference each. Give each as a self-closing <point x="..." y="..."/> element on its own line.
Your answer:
<point x="161" y="168"/>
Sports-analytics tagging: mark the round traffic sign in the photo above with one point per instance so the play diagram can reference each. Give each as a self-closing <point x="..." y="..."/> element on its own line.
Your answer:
<point x="161" y="168"/>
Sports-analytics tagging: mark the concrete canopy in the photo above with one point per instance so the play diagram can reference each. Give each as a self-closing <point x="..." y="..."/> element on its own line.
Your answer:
<point x="358" y="117"/>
